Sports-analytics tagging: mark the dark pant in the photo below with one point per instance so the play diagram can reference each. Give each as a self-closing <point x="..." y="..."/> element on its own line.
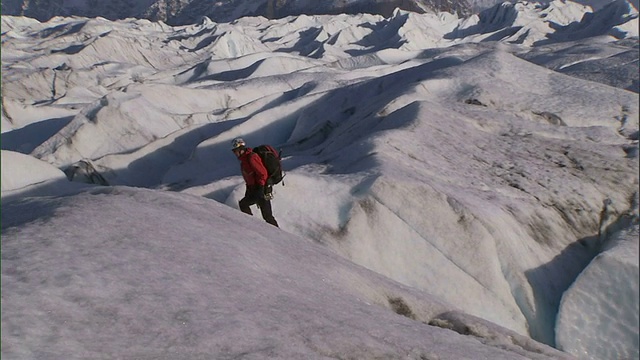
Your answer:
<point x="264" y="205"/>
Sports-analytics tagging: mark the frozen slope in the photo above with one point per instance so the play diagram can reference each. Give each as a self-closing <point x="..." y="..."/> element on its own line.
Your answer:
<point x="22" y="170"/>
<point x="607" y="290"/>
<point x="121" y="272"/>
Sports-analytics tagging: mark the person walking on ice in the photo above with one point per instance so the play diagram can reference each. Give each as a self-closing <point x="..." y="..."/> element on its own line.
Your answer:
<point x="255" y="175"/>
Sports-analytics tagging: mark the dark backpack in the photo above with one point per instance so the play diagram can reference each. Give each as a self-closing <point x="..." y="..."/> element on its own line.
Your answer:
<point x="271" y="161"/>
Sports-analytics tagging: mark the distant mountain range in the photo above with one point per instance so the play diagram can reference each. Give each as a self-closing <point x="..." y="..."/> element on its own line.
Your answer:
<point x="182" y="12"/>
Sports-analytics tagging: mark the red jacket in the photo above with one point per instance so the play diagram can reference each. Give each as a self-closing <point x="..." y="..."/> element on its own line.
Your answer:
<point x="253" y="171"/>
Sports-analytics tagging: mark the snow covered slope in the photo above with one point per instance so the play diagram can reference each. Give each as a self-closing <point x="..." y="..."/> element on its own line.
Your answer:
<point x="607" y="290"/>
<point x="25" y="170"/>
<point x="482" y="161"/>
<point x="132" y="273"/>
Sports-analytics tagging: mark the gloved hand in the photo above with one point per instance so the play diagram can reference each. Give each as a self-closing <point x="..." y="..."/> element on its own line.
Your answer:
<point x="268" y="192"/>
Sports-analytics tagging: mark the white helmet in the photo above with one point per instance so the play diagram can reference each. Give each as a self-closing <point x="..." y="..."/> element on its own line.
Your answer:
<point x="237" y="143"/>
